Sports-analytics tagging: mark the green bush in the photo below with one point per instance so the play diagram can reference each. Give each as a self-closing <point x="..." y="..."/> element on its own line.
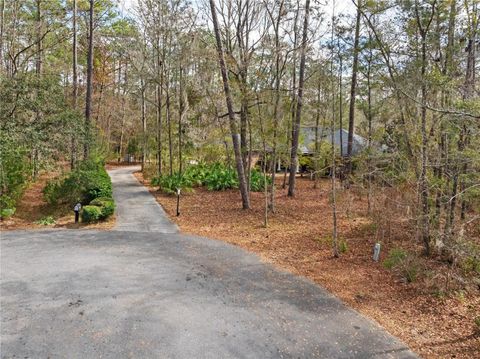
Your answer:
<point x="410" y="269"/>
<point x="7" y="212"/>
<point x="257" y="181"/>
<point x="471" y="264"/>
<point x="220" y="178"/>
<point x="342" y="246"/>
<point x="216" y="177"/>
<point x="14" y="174"/>
<point x="7" y="206"/>
<point x="91" y="214"/>
<point x="404" y="264"/>
<point x="107" y="206"/>
<point x="98" y="184"/>
<point x="195" y="175"/>
<point x="88" y="181"/>
<point x="169" y="184"/>
<point x="395" y="257"/>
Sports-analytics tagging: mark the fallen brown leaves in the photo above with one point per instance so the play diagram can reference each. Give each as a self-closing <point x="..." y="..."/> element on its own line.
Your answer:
<point x="297" y="239"/>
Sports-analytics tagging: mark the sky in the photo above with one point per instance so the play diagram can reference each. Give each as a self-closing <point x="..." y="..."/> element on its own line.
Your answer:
<point x="341" y="6"/>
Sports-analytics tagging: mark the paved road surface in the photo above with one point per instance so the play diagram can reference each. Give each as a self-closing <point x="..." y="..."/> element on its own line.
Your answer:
<point x="139" y="293"/>
<point x="137" y="210"/>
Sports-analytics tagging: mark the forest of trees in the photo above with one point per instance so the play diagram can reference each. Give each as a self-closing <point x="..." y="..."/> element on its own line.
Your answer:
<point x="176" y="82"/>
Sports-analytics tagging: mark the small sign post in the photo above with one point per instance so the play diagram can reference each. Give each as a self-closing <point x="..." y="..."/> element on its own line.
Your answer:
<point x="178" y="202"/>
<point x="77" y="209"/>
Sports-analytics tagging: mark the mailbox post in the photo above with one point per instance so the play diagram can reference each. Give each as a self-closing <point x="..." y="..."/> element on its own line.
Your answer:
<point x="77" y="209"/>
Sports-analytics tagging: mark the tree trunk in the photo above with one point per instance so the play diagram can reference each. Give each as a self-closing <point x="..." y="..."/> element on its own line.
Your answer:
<point x="340" y="105"/>
<point x="38" y="71"/>
<point x="333" y="167"/>
<point x="423" y="182"/>
<point x="317" y="138"/>
<point x="469" y="94"/>
<point x="122" y="131"/>
<point x="243" y="129"/>
<point x="369" y="144"/>
<point x="443" y="136"/>
<point x="144" y="125"/>
<point x="88" y="97"/>
<point x="122" y="126"/>
<point x="353" y="89"/>
<point x="293" y="93"/>
<point x="2" y="27"/>
<point x="159" y="92"/>
<point x="169" y="129"/>
<point x="73" y="156"/>
<point x="298" y="114"/>
<point x="231" y="115"/>
<point x="180" y="120"/>
<point x="276" y="108"/>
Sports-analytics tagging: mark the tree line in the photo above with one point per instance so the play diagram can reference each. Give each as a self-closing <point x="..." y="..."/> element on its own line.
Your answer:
<point x="174" y="82"/>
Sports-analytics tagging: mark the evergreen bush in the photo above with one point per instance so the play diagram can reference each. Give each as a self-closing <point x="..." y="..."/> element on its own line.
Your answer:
<point x="91" y="214"/>
<point x="107" y="206"/>
<point x="88" y="181"/>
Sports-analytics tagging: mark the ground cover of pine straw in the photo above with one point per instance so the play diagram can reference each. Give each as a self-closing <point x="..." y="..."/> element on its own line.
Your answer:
<point x="32" y="208"/>
<point x="298" y="239"/>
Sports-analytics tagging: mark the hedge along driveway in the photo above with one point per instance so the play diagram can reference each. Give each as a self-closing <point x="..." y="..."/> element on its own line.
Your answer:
<point x="136" y="209"/>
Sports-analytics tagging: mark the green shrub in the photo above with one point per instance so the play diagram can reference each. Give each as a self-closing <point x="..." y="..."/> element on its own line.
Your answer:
<point x="169" y="184"/>
<point x="46" y="221"/>
<point x="14" y="173"/>
<point x="257" y="181"/>
<point x="195" y="175"/>
<point x="410" y="269"/>
<point x="342" y="246"/>
<point x="471" y="264"/>
<point x="404" y="264"/>
<point x="7" y="206"/>
<point x="395" y="257"/>
<point x="97" y="184"/>
<point x="88" y="181"/>
<point x="220" y="178"/>
<point x="216" y="177"/>
<point x="107" y="206"/>
<point x="91" y="214"/>
<point x="7" y="212"/>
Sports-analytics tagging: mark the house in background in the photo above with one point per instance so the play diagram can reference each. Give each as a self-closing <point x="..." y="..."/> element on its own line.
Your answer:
<point x="307" y="140"/>
<point x="306" y="147"/>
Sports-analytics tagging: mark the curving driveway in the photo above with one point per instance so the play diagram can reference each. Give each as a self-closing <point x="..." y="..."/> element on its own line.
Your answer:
<point x="145" y="291"/>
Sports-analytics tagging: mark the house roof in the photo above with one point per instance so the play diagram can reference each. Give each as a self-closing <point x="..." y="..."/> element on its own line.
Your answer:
<point x="307" y="140"/>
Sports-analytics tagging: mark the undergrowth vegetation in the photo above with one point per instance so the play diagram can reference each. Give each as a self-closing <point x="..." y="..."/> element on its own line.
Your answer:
<point x="13" y="177"/>
<point x="89" y="184"/>
<point x="88" y="181"/>
<point x="215" y="177"/>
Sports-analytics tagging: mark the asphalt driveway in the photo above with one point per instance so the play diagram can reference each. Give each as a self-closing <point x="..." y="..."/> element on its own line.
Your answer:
<point x="143" y="293"/>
